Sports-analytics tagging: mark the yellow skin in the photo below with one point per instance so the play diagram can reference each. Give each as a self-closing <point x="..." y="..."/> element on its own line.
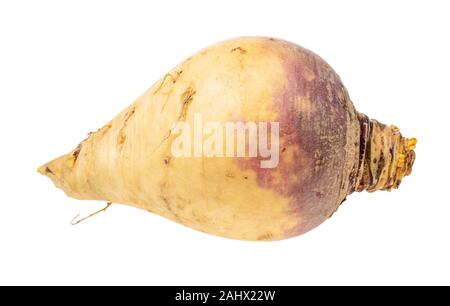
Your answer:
<point x="129" y="160"/>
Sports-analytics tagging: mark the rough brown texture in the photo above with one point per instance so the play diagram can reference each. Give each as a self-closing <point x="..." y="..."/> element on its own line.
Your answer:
<point x="385" y="156"/>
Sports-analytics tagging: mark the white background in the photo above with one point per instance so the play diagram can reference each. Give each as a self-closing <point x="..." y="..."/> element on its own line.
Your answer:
<point x="67" y="67"/>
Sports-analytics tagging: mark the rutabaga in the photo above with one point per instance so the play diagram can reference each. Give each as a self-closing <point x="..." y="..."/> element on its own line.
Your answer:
<point x="317" y="148"/>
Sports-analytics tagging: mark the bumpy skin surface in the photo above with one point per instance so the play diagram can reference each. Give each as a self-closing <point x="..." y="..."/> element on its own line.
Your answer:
<point x="129" y="160"/>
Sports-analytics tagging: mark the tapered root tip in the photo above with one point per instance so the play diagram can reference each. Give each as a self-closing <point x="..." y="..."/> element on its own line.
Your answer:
<point x="57" y="170"/>
<point x="45" y="170"/>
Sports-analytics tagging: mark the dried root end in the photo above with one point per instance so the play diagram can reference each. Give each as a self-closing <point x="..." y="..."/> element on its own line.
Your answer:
<point x="386" y="157"/>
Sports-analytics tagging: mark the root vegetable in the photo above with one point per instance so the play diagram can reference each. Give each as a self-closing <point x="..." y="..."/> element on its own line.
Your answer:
<point x="326" y="149"/>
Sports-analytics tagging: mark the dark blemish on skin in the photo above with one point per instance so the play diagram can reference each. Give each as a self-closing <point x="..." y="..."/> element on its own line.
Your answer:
<point x="166" y="136"/>
<point x="282" y="150"/>
<point x="319" y="194"/>
<point x="122" y="139"/>
<point x="245" y="177"/>
<point x="102" y="129"/>
<point x="47" y="170"/>
<point x="76" y="152"/>
<point x="167" y="160"/>
<point x="240" y="49"/>
<point x="380" y="164"/>
<point x="122" y="136"/>
<point x="186" y="98"/>
<point x="162" y="83"/>
<point x="168" y="75"/>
